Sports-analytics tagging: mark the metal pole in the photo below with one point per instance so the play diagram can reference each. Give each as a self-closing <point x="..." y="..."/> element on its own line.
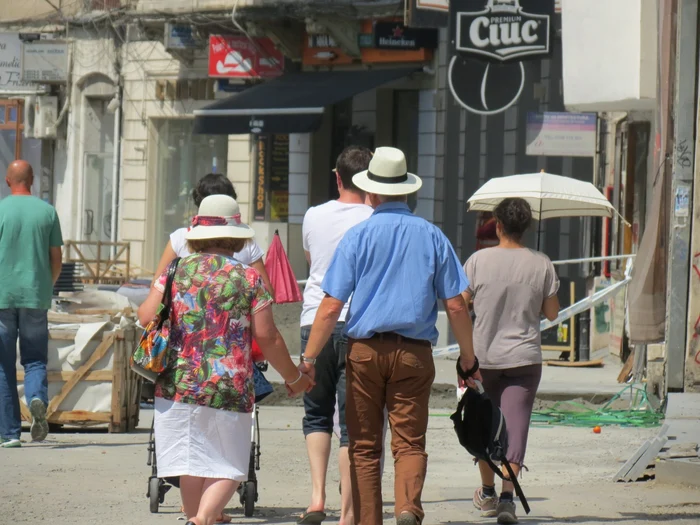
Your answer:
<point x="692" y="365"/>
<point x="681" y="192"/>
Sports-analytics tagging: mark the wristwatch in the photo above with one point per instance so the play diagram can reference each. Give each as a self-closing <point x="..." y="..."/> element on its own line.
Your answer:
<point x="311" y="361"/>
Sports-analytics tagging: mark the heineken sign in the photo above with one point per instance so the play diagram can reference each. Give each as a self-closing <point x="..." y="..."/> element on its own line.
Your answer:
<point x="490" y="39"/>
<point x="502" y="31"/>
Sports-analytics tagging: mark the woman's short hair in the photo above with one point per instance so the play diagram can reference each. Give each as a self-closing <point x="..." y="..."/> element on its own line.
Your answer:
<point x="514" y="215"/>
<point x="201" y="245"/>
<point x="212" y="184"/>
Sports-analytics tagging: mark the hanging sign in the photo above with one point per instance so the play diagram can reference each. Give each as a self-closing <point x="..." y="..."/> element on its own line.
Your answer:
<point x="241" y="57"/>
<point x="395" y="35"/>
<point x="490" y="39"/>
<point x="261" y="182"/>
<point x="323" y="50"/>
<point x="561" y="134"/>
<point x="427" y="13"/>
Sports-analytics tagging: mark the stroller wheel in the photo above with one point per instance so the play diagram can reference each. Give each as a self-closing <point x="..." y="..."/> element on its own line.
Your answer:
<point x="154" y="494"/>
<point x="249" y="496"/>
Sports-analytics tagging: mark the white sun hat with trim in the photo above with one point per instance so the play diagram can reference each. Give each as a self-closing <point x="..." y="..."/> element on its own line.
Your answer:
<point x="387" y="174"/>
<point x="219" y="217"/>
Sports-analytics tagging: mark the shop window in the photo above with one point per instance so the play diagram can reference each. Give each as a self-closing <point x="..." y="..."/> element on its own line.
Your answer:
<point x="182" y="158"/>
<point x="271" y="200"/>
<point x="13" y="144"/>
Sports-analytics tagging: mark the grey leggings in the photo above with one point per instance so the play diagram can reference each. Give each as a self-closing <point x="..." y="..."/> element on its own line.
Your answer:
<point x="514" y="389"/>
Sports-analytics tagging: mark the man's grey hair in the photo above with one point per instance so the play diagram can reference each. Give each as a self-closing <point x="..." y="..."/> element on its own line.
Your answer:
<point x="392" y="198"/>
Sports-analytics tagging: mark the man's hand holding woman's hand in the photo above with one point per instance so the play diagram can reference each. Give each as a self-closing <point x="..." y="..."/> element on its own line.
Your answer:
<point x="303" y="383"/>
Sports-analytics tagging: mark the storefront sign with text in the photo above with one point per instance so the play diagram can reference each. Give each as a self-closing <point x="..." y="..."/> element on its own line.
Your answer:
<point x="11" y="66"/>
<point x="260" y="213"/>
<point x="395" y="35"/>
<point x="490" y="38"/>
<point x="239" y="57"/>
<point x="427" y="13"/>
<point x="322" y="50"/>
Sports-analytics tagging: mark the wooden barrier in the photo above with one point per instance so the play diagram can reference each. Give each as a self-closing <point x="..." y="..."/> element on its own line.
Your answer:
<point x="123" y="415"/>
<point x="104" y="268"/>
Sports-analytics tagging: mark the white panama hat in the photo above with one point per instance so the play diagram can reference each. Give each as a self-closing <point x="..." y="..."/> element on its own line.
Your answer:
<point x="219" y="217"/>
<point x="387" y="174"/>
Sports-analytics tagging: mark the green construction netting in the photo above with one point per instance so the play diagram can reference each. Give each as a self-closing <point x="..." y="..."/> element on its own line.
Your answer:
<point x="639" y="412"/>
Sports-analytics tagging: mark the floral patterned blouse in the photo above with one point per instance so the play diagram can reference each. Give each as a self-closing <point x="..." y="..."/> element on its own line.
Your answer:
<point x="214" y="298"/>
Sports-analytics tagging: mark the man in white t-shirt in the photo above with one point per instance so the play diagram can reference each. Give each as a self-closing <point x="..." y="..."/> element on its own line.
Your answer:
<point x="324" y="227"/>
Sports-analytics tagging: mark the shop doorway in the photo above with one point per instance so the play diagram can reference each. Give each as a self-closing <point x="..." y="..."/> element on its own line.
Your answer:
<point x="98" y="176"/>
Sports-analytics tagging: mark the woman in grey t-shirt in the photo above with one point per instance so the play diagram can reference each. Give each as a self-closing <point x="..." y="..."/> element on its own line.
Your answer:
<point x="511" y="286"/>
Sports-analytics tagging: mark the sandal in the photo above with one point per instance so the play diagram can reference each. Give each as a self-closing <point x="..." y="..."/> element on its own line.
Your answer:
<point x="315" y="517"/>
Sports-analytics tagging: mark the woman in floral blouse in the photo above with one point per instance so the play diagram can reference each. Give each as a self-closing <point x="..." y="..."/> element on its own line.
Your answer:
<point x="204" y="399"/>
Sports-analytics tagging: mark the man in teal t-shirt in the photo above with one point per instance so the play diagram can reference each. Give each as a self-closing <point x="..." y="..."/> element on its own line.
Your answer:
<point x="30" y="263"/>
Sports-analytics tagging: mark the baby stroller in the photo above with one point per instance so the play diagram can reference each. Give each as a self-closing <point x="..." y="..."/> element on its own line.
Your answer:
<point x="248" y="490"/>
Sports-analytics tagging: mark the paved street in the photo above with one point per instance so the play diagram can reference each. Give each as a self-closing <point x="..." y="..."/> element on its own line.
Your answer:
<point x="96" y="477"/>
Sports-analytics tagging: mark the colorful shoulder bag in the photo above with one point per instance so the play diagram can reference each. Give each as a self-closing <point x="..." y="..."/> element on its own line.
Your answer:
<point x="151" y="355"/>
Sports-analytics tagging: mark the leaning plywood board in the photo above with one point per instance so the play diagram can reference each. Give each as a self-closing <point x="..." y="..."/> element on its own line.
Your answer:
<point x="621" y="474"/>
<point x="646" y="459"/>
<point x="576" y="364"/>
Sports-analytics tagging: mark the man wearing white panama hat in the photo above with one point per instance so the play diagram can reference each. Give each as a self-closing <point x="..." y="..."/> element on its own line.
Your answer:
<point x="396" y="266"/>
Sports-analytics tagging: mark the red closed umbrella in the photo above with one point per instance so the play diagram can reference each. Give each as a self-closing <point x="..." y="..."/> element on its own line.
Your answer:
<point x="281" y="274"/>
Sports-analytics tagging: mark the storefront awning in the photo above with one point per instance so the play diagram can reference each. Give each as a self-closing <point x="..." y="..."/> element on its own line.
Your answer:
<point x="292" y="103"/>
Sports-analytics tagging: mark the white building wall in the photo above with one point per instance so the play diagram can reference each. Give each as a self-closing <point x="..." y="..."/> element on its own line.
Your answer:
<point x="427" y="153"/>
<point x="609" y="53"/>
<point x="145" y="63"/>
<point x="93" y="69"/>
<point x="299" y="174"/>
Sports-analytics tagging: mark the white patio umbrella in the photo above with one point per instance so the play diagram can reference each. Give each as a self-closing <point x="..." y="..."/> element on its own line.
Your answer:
<point x="549" y="196"/>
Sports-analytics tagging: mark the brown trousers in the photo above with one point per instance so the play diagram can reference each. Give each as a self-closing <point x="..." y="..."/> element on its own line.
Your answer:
<point x="390" y="371"/>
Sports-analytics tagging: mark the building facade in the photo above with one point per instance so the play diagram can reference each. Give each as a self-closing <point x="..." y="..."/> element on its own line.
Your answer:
<point x="156" y="94"/>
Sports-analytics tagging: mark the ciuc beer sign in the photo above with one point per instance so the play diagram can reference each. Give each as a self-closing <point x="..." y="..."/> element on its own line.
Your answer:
<point x="490" y="39"/>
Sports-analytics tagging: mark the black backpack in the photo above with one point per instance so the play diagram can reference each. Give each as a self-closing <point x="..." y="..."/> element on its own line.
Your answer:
<point x="481" y="429"/>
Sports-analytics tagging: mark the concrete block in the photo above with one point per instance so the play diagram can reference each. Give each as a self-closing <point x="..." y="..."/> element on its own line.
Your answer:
<point x="299" y="143"/>
<point x="426" y="100"/>
<point x="425" y="208"/>
<point x="678" y="472"/>
<point x="427" y="191"/>
<point x="238" y="171"/>
<point x="426" y="166"/>
<point x="299" y="163"/>
<point x="134" y="190"/>
<point x="133" y="209"/>
<point x="683" y="406"/>
<point x="299" y="183"/>
<point x="656" y="351"/>
<point x="133" y="230"/>
<point x="238" y="151"/>
<point x="427" y="121"/>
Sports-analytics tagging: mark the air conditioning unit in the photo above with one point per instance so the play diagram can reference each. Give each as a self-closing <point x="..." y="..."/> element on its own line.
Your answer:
<point x="29" y="116"/>
<point x="45" y="117"/>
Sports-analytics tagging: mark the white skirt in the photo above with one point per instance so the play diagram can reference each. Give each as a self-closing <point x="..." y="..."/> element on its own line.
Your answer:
<point x="203" y="442"/>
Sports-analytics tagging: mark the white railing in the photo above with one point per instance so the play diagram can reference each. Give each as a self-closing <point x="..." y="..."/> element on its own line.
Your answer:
<point x="581" y="306"/>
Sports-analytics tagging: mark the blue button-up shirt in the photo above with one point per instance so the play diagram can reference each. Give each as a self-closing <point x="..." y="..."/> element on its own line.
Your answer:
<point x="396" y="266"/>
